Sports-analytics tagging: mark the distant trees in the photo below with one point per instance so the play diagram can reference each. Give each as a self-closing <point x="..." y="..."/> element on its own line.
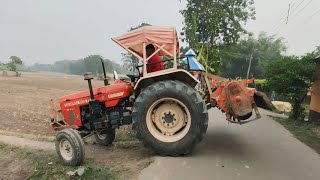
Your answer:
<point x="261" y="50"/>
<point x="13" y="64"/>
<point x="91" y="63"/>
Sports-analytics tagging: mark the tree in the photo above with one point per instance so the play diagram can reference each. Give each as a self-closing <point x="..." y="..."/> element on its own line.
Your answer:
<point x="291" y="77"/>
<point x="12" y="65"/>
<point x="210" y="23"/>
<point x="236" y="58"/>
<point x="314" y="54"/>
<point x="129" y="60"/>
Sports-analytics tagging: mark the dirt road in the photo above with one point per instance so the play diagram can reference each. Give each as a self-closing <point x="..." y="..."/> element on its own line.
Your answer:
<point x="259" y="150"/>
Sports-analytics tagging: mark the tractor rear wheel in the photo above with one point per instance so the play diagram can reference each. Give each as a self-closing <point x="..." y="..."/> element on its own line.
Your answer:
<point x="105" y="138"/>
<point x="170" y="117"/>
<point x="70" y="147"/>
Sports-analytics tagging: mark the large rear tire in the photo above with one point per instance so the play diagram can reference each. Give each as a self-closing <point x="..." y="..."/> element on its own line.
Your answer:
<point x="70" y="147"/>
<point x="170" y="117"/>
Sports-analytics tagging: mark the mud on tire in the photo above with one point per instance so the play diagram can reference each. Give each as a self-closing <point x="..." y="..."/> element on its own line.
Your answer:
<point x="70" y="147"/>
<point x="190" y="102"/>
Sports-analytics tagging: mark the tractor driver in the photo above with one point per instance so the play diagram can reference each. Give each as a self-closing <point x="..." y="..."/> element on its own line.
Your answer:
<point x="155" y="62"/>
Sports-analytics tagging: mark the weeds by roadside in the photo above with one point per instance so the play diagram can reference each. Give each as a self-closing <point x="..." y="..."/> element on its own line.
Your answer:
<point x="306" y="132"/>
<point x="120" y="137"/>
<point x="46" y="165"/>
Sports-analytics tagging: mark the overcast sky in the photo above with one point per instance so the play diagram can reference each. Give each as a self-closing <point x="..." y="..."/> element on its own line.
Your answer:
<point x="46" y="31"/>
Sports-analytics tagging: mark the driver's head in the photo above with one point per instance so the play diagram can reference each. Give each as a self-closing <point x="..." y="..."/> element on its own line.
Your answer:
<point x="150" y="49"/>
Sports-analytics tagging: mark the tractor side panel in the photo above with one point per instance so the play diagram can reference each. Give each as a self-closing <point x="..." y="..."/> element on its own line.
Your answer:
<point x="112" y="103"/>
<point x="72" y="116"/>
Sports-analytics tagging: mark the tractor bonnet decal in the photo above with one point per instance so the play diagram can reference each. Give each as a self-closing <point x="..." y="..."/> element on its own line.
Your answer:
<point x="115" y="95"/>
<point x="84" y="101"/>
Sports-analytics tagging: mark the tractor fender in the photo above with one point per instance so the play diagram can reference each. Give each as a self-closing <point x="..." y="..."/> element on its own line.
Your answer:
<point x="178" y="74"/>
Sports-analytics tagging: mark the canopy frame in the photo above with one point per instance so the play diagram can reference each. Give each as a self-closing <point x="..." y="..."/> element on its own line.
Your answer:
<point x="160" y="47"/>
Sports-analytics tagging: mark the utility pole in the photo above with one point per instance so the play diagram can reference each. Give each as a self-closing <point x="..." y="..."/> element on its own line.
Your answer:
<point x="288" y="14"/>
<point x="250" y="61"/>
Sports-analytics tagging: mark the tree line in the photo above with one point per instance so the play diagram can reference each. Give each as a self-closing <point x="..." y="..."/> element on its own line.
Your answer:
<point x="91" y="63"/>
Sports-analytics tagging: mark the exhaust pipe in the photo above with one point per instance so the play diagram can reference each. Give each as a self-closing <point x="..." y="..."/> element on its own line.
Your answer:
<point x="106" y="82"/>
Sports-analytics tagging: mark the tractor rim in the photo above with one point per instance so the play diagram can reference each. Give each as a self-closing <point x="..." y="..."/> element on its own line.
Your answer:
<point x="101" y="135"/>
<point x="66" y="149"/>
<point x="168" y="120"/>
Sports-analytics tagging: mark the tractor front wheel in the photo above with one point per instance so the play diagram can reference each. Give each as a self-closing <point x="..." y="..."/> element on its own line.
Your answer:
<point x="105" y="138"/>
<point x="70" y="147"/>
<point x="170" y="117"/>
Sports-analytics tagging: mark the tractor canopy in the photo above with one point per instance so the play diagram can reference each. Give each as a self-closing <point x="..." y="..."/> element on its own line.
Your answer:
<point x="164" y="39"/>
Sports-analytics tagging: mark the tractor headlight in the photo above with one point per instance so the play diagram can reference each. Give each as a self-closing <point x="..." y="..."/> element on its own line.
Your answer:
<point x="115" y="75"/>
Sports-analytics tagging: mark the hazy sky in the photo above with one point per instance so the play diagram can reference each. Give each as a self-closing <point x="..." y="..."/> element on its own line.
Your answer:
<point x="46" y="31"/>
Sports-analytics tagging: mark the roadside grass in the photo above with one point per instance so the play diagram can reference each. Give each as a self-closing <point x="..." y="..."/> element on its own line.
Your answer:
<point x="120" y="137"/>
<point x="306" y="132"/>
<point x="38" y="137"/>
<point x="46" y="165"/>
<point x="306" y="109"/>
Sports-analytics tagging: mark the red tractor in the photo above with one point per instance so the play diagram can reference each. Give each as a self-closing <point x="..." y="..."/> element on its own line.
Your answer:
<point x="168" y="108"/>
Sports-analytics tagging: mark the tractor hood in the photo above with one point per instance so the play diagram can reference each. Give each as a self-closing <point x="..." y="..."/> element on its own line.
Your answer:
<point x="117" y="90"/>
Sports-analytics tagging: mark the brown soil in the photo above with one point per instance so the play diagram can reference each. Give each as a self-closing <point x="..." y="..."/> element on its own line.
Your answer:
<point x="24" y="109"/>
<point x="24" y="105"/>
<point x="12" y="167"/>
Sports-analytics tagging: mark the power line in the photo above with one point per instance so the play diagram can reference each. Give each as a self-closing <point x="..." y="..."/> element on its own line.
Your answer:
<point x="284" y="16"/>
<point x="308" y="19"/>
<point x="302" y="8"/>
<point x="291" y="5"/>
<point x="297" y="6"/>
<point x="292" y="8"/>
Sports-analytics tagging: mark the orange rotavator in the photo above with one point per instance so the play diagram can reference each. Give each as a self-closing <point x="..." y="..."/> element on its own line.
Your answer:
<point x="168" y="108"/>
<point x="234" y="98"/>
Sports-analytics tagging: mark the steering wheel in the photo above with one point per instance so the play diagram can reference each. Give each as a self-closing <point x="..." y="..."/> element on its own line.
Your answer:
<point x="135" y="77"/>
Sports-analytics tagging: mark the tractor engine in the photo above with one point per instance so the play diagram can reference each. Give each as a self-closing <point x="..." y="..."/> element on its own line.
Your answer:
<point x="98" y="109"/>
<point x="100" y="117"/>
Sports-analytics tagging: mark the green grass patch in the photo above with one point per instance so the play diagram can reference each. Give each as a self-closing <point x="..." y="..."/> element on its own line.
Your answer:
<point x="126" y="138"/>
<point x="306" y="109"/>
<point x="260" y="81"/>
<point x="306" y="132"/>
<point x="47" y="166"/>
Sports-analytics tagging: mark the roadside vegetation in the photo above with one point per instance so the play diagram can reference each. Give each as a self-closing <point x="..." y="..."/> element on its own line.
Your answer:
<point x="123" y="135"/>
<point x="308" y="133"/>
<point x="291" y="77"/>
<point x="46" y="165"/>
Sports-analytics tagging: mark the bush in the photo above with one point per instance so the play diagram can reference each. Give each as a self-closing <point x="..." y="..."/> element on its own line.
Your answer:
<point x="291" y="77"/>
